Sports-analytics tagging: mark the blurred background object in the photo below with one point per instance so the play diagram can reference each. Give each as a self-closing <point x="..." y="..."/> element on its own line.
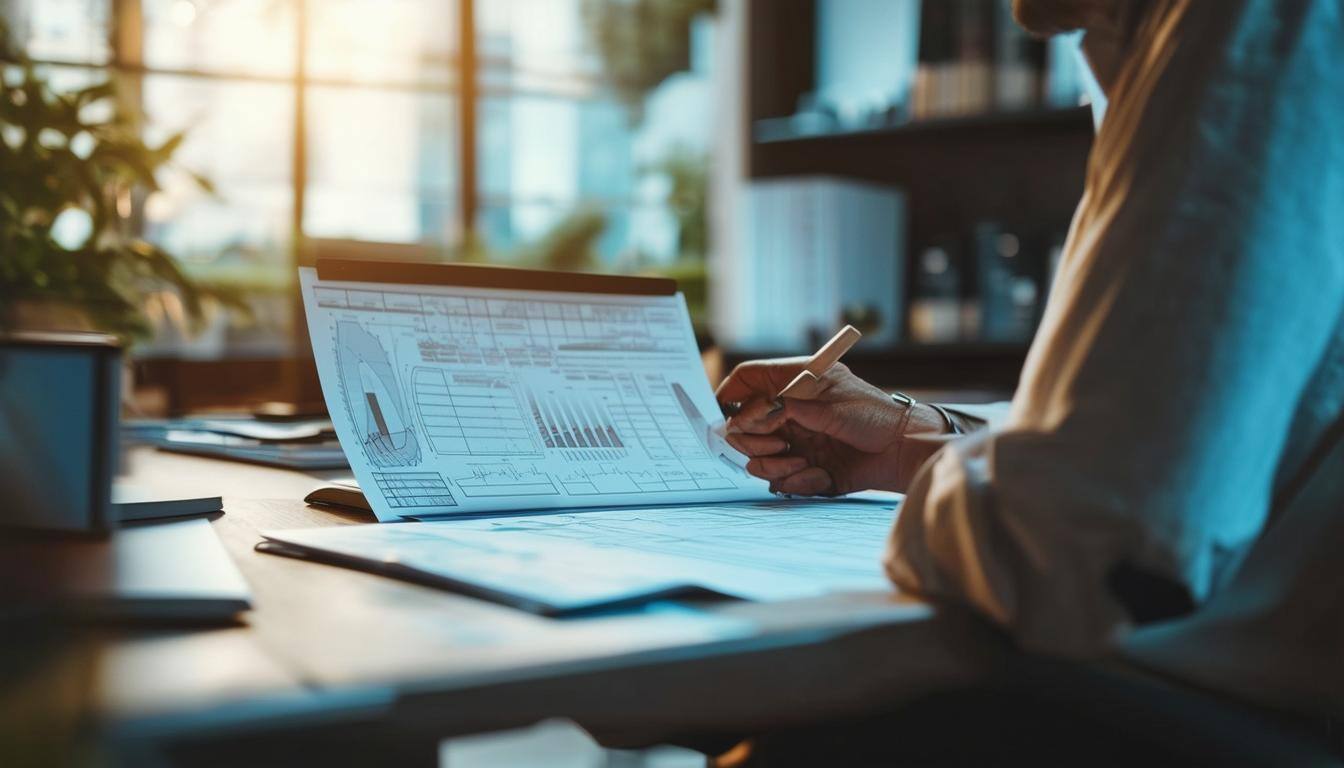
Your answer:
<point x="978" y="126"/>
<point x="603" y="135"/>
<point x="817" y="250"/>
<point x="73" y="163"/>
<point x="59" y="400"/>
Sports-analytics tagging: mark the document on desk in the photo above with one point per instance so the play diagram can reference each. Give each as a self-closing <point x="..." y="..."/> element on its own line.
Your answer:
<point x="572" y="562"/>
<point x="560" y="451"/>
<point x="455" y="400"/>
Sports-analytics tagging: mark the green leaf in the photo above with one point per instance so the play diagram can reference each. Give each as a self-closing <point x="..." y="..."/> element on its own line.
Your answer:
<point x="134" y="162"/>
<point x="204" y="183"/>
<point x="94" y="93"/>
<point x="231" y="298"/>
<point x="168" y="148"/>
<point x="111" y="275"/>
<point x="164" y="267"/>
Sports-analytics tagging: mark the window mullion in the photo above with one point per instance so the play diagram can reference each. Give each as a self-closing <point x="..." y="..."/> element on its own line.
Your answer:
<point x="300" y="154"/>
<point x="467" y="90"/>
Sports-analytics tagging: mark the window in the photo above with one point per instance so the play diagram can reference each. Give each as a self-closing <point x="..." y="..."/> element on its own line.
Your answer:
<point x="61" y="30"/>
<point x="343" y="120"/>
<point x="382" y="121"/>
<point x="558" y="147"/>
<point x="231" y="38"/>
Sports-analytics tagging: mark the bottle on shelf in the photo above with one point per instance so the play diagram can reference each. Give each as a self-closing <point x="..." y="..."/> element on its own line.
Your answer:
<point x="936" y="307"/>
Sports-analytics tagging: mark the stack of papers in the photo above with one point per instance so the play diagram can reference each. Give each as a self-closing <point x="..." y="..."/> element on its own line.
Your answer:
<point x="576" y="562"/>
<point x="562" y="451"/>
<point x="304" y="445"/>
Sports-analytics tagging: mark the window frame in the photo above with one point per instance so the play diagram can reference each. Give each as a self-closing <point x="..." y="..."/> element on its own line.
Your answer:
<point x="189" y="384"/>
<point x="126" y="61"/>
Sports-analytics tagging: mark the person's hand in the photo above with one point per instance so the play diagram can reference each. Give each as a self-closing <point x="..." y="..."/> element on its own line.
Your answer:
<point x="850" y="436"/>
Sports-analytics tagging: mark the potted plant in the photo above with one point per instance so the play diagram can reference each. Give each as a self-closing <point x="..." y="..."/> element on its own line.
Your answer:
<point x="642" y="42"/>
<point x="71" y="165"/>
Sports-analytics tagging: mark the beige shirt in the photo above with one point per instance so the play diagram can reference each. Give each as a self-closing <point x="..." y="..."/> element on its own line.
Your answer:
<point x="1177" y="435"/>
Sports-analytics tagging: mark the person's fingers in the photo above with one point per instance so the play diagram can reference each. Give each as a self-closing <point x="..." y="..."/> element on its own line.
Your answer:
<point x="759" y="379"/>
<point x="810" y="481"/>
<point x="815" y="415"/>
<point x="759" y="417"/>
<point x="758" y="445"/>
<point x="774" y="467"/>
<point x="810" y="387"/>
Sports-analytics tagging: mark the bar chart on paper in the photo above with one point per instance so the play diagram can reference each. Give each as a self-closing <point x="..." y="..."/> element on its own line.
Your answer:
<point x="576" y="424"/>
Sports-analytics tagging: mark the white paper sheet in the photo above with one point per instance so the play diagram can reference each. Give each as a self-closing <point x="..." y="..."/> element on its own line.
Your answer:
<point x="464" y="400"/>
<point x="774" y="550"/>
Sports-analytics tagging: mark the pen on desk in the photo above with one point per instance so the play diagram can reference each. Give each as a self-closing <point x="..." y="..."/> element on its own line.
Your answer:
<point x="805" y="383"/>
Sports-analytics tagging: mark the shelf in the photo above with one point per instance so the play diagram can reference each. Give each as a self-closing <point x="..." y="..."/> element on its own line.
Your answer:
<point x="979" y="365"/>
<point x="976" y="127"/>
<point x="1023" y="168"/>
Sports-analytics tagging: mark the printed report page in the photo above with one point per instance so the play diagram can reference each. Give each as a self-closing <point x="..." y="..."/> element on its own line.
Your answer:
<point x="465" y="400"/>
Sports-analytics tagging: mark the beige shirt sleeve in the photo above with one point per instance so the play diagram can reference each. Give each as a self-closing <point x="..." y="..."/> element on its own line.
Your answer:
<point x="981" y="415"/>
<point x="1201" y="283"/>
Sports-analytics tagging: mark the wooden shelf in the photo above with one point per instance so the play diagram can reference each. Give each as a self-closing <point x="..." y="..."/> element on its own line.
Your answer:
<point x="978" y="127"/>
<point x="1052" y="141"/>
<point x="1021" y="170"/>
<point x="969" y="365"/>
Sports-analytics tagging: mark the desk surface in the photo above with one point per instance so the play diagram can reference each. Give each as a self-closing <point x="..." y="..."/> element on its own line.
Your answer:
<point x="328" y="642"/>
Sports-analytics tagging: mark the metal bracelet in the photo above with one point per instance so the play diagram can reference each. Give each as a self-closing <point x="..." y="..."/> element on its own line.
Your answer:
<point x="900" y="398"/>
<point x="952" y="426"/>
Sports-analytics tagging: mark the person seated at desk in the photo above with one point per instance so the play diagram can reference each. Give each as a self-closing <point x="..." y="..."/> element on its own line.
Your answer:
<point x="1168" y="482"/>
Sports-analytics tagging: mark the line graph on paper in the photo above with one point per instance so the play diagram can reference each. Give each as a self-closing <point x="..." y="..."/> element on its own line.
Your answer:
<point x="607" y="479"/>
<point x="496" y="480"/>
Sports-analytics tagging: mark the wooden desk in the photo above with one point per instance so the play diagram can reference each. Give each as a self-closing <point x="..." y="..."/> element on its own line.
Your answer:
<point x="327" y="647"/>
